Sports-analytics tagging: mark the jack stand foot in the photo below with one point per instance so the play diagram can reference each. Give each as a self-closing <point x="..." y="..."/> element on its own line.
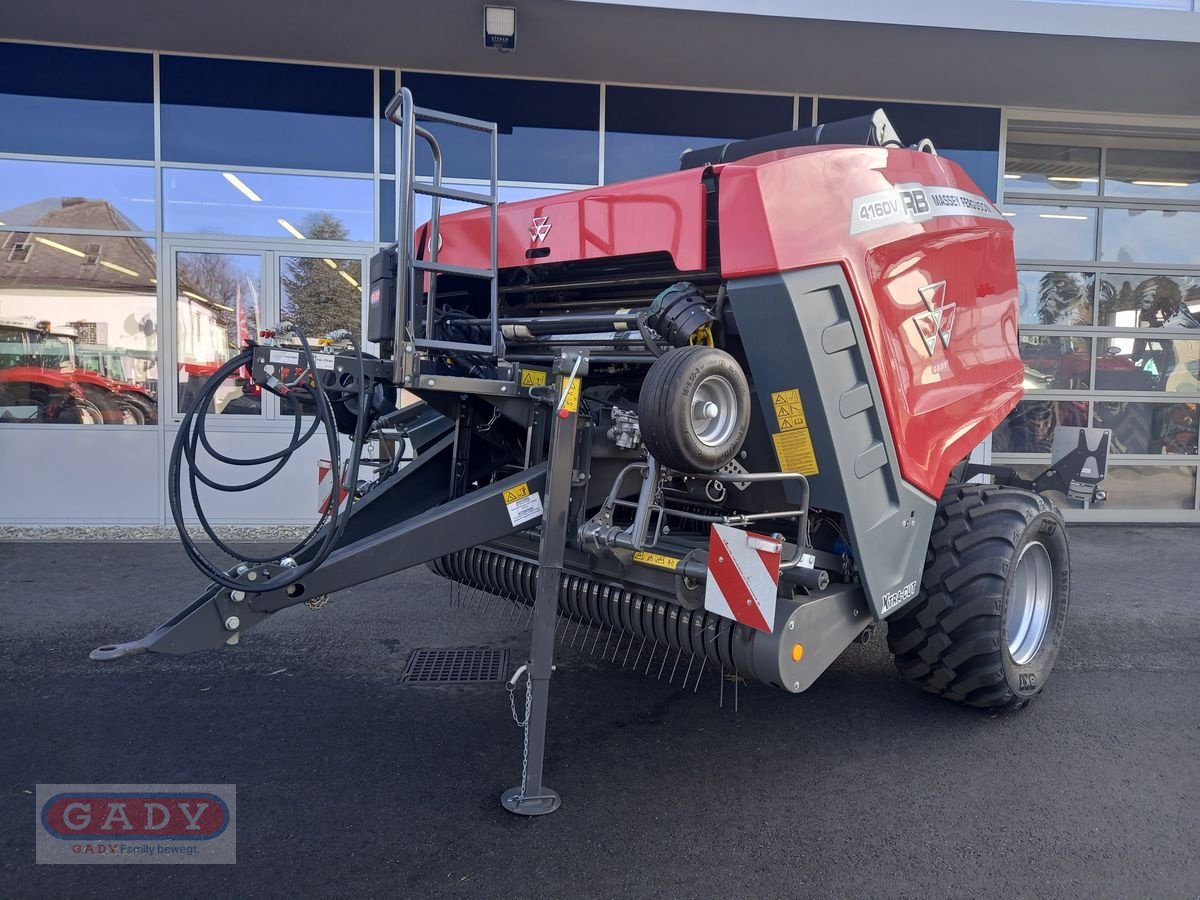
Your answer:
<point x="547" y="802"/>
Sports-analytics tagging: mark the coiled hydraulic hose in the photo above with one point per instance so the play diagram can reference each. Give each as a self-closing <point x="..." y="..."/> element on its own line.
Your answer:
<point x="192" y="434"/>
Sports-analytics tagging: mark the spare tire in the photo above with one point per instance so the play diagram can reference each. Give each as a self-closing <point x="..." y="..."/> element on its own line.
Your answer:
<point x="694" y="409"/>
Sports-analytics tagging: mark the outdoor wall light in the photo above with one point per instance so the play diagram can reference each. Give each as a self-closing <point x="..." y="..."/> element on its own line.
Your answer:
<point x="500" y="27"/>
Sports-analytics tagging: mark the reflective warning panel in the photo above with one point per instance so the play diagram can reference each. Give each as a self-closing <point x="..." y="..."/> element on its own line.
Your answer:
<point x="743" y="576"/>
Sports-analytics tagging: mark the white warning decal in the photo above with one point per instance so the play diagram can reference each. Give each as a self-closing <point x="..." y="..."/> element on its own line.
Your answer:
<point x="523" y="505"/>
<point x="912" y="203"/>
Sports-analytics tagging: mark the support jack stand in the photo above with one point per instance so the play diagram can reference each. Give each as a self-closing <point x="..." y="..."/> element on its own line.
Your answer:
<point x="532" y="797"/>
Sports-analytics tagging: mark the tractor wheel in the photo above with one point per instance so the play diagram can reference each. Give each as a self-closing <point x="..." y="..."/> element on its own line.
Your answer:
<point x="694" y="409"/>
<point x="987" y="626"/>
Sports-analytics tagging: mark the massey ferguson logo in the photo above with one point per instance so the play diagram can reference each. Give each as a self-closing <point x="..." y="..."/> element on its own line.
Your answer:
<point x="539" y="229"/>
<point x="937" y="322"/>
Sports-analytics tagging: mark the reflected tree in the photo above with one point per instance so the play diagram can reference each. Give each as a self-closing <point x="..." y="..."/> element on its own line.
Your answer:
<point x="1064" y="299"/>
<point x="321" y="295"/>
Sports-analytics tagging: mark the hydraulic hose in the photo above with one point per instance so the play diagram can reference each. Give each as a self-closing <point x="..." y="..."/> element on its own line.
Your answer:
<point x="192" y="435"/>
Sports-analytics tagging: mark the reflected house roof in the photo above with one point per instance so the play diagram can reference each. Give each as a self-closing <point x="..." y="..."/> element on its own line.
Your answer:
<point x="91" y="262"/>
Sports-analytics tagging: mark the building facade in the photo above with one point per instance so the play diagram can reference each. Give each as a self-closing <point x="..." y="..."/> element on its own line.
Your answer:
<point x="169" y="186"/>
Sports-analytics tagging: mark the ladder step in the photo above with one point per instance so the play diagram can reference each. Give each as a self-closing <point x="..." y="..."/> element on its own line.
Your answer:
<point x="447" y="193"/>
<point x="433" y="115"/>
<point x="442" y="268"/>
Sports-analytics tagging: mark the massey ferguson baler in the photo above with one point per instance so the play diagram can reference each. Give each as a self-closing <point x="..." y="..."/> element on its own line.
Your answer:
<point x="723" y="413"/>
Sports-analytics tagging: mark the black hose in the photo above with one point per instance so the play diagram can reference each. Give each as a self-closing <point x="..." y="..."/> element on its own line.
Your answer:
<point x="192" y="434"/>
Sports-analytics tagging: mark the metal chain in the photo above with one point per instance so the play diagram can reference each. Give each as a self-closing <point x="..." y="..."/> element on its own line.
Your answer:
<point x="317" y="602"/>
<point x="522" y="723"/>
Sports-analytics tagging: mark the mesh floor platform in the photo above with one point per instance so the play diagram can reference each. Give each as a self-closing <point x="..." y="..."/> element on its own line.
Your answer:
<point x="456" y="665"/>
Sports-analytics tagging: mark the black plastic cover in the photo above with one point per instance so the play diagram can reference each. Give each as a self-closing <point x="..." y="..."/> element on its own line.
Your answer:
<point x="868" y="131"/>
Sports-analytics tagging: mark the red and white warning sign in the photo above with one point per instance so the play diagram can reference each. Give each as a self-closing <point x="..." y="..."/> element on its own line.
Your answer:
<point x="325" y="481"/>
<point x="743" y="576"/>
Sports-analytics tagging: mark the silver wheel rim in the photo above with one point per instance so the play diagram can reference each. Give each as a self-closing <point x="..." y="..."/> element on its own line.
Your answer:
<point x="1030" y="604"/>
<point x="714" y="411"/>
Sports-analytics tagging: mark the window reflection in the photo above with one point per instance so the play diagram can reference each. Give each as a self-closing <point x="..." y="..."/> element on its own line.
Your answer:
<point x="1156" y="428"/>
<point x="218" y="307"/>
<point x="1030" y="427"/>
<point x="36" y="193"/>
<point x="1053" y="232"/>
<point x="1170" y="174"/>
<point x="1149" y="301"/>
<point x="240" y="112"/>
<point x="647" y="129"/>
<point x="279" y="206"/>
<point x="1055" y="298"/>
<point x="1056" y="363"/>
<point x="1148" y="364"/>
<point x="549" y="130"/>
<point x="1151" y="236"/>
<point x="78" y="336"/>
<point x="320" y="295"/>
<point x="65" y="101"/>
<point x="1052" y="169"/>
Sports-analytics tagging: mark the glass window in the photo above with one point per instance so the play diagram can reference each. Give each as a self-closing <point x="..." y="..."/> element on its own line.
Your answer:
<point x="76" y="195"/>
<point x="320" y="295"/>
<point x="1141" y="487"/>
<point x="70" y="102"/>
<point x="549" y="130"/>
<point x="238" y="112"/>
<point x="200" y="201"/>
<point x="1055" y="363"/>
<point x="387" y="210"/>
<point x="1166" y="428"/>
<point x="1151" y="236"/>
<point x="1150" y="301"/>
<point x="1145" y="363"/>
<point x="1055" y="298"/>
<point x="1053" y="232"/>
<point x="1169" y="174"/>
<point x="1150" y="487"/>
<point x="78" y="331"/>
<point x="387" y="131"/>
<point x="969" y="135"/>
<point x="1030" y="427"/>
<point x="1051" y="169"/>
<point x="218" y="306"/>
<point x="647" y="129"/>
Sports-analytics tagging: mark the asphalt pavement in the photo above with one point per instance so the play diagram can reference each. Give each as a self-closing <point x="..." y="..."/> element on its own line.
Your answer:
<point x="351" y="783"/>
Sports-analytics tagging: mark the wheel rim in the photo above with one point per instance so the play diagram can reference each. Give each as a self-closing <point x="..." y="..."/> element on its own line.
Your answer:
<point x="1030" y="605"/>
<point x="714" y="411"/>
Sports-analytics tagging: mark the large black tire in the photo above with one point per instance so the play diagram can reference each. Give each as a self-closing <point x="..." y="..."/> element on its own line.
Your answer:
<point x="954" y="638"/>
<point x="679" y="379"/>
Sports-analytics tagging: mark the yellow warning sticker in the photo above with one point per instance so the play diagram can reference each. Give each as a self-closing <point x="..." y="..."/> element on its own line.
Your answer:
<point x="657" y="560"/>
<point x="513" y="494"/>
<point x="795" y="452"/>
<point x="571" y="402"/>
<point x="789" y="411"/>
<point x="532" y="378"/>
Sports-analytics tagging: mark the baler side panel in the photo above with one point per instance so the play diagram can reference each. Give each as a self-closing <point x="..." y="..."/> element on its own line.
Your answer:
<point x="665" y="213"/>
<point x="802" y="332"/>
<point x="785" y="211"/>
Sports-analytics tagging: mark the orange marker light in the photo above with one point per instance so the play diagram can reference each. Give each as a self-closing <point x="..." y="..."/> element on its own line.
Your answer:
<point x="797" y="652"/>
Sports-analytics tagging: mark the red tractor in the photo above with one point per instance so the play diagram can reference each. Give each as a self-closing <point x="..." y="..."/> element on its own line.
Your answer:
<point x="722" y="416"/>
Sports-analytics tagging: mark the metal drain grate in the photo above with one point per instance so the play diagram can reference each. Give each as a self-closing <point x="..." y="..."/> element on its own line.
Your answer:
<point x="450" y="665"/>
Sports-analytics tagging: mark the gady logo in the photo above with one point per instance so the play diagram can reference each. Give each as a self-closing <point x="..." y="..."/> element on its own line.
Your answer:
<point x="130" y="823"/>
<point x="135" y="817"/>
